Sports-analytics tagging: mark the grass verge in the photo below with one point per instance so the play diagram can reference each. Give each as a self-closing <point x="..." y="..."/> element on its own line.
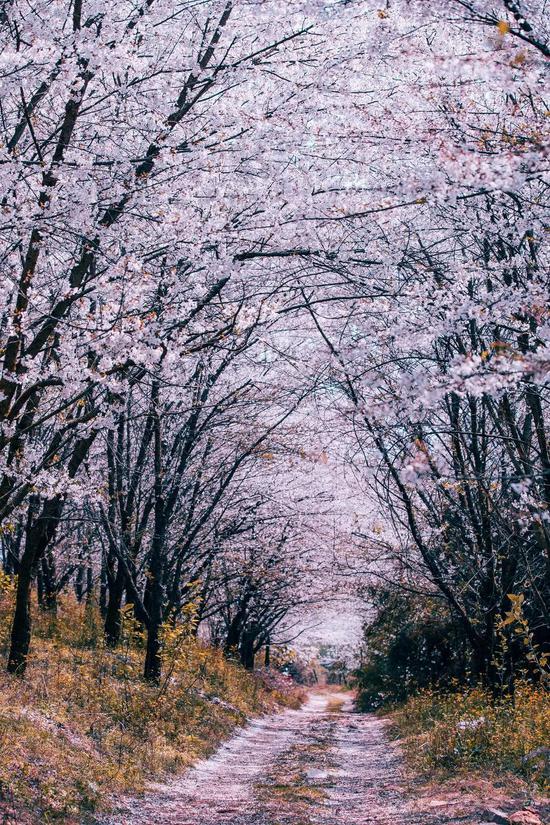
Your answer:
<point x="83" y="726"/>
<point x="469" y="732"/>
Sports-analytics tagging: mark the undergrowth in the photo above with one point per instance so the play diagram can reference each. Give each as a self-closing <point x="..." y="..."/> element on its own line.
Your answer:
<point x="83" y="725"/>
<point x="468" y="731"/>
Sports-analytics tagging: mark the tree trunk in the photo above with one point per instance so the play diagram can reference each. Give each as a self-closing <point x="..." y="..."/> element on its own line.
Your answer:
<point x="153" y="663"/>
<point x="113" y="620"/>
<point x="89" y="584"/>
<point x="49" y="584"/>
<point x="21" y="627"/>
<point x="154" y="594"/>
<point x="40" y="531"/>
<point x="103" y="587"/>
<point x="154" y="604"/>
<point x="247" y="649"/>
<point x="79" y="583"/>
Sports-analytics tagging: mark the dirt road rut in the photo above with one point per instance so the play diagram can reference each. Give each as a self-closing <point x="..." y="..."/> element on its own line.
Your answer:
<point x="319" y="765"/>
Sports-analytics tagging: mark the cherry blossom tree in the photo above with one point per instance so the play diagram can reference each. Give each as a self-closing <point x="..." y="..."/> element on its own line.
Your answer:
<point x="128" y="211"/>
<point x="224" y="220"/>
<point x="437" y="331"/>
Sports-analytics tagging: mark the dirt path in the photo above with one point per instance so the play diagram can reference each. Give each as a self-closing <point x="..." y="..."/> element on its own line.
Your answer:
<point x="321" y="764"/>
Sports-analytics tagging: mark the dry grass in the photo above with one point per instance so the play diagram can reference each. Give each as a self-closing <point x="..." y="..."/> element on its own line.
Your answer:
<point x="83" y="724"/>
<point x="469" y="732"/>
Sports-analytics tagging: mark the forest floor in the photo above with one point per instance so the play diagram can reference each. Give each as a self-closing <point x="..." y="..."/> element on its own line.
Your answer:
<point x="322" y="764"/>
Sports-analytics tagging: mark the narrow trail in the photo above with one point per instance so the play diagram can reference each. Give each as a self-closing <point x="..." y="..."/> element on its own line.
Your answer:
<point x="321" y="764"/>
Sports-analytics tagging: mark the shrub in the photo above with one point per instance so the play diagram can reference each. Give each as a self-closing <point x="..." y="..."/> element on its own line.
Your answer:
<point x="410" y="644"/>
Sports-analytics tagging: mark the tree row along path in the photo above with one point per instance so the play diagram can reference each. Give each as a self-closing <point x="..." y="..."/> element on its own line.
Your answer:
<point x="320" y="764"/>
